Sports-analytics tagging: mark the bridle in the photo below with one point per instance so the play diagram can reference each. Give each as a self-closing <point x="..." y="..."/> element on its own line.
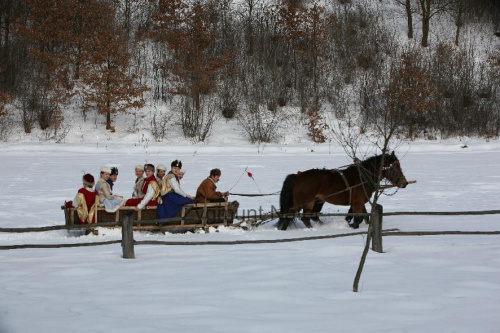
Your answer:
<point x="390" y="169"/>
<point x="370" y="176"/>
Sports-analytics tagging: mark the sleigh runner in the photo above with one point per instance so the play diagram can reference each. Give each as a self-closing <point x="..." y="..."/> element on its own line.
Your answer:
<point x="192" y="216"/>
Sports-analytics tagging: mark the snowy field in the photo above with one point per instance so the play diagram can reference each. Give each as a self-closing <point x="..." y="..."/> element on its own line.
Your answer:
<point x="420" y="284"/>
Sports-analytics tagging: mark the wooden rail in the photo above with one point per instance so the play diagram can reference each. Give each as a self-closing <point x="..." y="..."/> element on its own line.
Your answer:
<point x="128" y="242"/>
<point x="263" y="216"/>
<point x="476" y="212"/>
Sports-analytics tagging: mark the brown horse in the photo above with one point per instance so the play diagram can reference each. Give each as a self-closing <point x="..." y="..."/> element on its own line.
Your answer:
<point x="352" y="186"/>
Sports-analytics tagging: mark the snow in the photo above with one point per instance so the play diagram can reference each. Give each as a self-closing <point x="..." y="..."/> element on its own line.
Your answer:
<point x="419" y="284"/>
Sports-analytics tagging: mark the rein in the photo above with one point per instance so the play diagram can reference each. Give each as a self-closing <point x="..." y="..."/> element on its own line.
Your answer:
<point x="255" y="195"/>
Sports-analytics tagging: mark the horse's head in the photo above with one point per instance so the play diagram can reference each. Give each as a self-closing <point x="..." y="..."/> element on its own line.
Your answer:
<point x="393" y="172"/>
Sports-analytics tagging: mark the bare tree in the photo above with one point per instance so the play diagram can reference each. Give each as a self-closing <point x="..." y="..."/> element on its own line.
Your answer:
<point x="459" y="8"/>
<point x="430" y="8"/>
<point x="249" y="8"/>
<point x="409" y="15"/>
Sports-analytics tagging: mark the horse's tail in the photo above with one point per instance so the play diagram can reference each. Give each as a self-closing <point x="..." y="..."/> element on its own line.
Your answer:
<point x="286" y="200"/>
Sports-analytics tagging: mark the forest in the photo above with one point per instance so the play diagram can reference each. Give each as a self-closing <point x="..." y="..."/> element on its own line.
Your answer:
<point x="430" y="67"/>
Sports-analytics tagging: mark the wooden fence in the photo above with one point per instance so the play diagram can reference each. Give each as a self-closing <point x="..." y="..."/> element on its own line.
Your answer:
<point x="128" y="242"/>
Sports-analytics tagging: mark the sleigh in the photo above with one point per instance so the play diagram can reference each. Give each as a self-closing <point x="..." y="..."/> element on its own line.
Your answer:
<point x="191" y="217"/>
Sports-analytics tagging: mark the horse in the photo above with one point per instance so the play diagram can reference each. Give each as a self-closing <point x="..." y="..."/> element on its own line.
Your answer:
<point x="352" y="186"/>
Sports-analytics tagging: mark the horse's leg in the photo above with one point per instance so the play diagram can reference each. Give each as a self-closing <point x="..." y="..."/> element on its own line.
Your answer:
<point x="307" y="221"/>
<point x="357" y="208"/>
<point x="348" y="218"/>
<point x="318" y="205"/>
<point x="308" y="209"/>
<point x="287" y="201"/>
<point x="367" y="218"/>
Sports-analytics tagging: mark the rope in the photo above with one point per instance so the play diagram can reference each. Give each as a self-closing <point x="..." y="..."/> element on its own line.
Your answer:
<point x="255" y="195"/>
<point x="244" y="171"/>
<point x="261" y="194"/>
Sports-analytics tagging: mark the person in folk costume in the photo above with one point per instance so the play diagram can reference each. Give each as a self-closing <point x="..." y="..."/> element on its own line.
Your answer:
<point x="111" y="202"/>
<point x="207" y="191"/>
<point x="150" y="189"/>
<point x="172" y="196"/>
<point x="139" y="181"/>
<point x="181" y="174"/>
<point x="161" y="171"/>
<point x="113" y="176"/>
<point x="85" y="200"/>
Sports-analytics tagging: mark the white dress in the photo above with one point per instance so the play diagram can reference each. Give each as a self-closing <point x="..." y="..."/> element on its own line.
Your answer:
<point x="111" y="202"/>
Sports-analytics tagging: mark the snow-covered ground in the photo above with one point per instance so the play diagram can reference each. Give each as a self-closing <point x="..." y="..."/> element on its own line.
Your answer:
<point x="420" y="284"/>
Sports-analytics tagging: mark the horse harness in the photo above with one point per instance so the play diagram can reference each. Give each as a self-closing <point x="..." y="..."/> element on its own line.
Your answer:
<point x="364" y="179"/>
<point x="347" y="187"/>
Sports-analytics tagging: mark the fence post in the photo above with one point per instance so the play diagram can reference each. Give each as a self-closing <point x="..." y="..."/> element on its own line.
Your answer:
<point x="128" y="236"/>
<point x="377" y="229"/>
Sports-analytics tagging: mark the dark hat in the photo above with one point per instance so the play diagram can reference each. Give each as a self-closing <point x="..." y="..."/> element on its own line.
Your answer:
<point x="88" y="179"/>
<point x="114" y="171"/>
<point x="176" y="163"/>
<point x="149" y="167"/>
<point x="215" y="172"/>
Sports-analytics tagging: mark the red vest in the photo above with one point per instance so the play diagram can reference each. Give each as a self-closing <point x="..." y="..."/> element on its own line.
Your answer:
<point x="146" y="183"/>
<point x="89" y="196"/>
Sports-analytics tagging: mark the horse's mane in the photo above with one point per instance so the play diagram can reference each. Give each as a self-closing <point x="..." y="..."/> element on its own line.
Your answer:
<point x="369" y="164"/>
<point x="373" y="162"/>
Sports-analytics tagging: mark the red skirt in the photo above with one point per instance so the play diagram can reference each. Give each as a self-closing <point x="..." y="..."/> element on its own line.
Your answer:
<point x="135" y="201"/>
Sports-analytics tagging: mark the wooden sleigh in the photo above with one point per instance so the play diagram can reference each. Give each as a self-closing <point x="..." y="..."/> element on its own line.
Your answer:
<point x="191" y="217"/>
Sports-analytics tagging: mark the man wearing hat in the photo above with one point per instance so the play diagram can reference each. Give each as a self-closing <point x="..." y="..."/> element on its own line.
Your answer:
<point x="175" y="166"/>
<point x="150" y="189"/>
<point x="161" y="170"/>
<point x="166" y="182"/>
<point x="113" y="176"/>
<point x="85" y="200"/>
<point x="172" y="196"/>
<point x="181" y="174"/>
<point x="139" y="181"/>
<point x="111" y="202"/>
<point x="207" y="191"/>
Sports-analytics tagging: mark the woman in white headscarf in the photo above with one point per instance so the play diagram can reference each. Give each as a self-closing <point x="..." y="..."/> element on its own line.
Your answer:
<point x="111" y="202"/>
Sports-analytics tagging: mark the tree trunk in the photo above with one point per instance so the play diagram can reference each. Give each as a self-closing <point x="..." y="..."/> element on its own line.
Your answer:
<point x="127" y="18"/>
<point x="78" y="32"/>
<point x="459" y="22"/>
<point x="108" y="103"/>
<point x="77" y="63"/>
<point x="196" y="101"/>
<point x="426" y="18"/>
<point x="410" y="19"/>
<point x="250" y="39"/>
<point x="250" y="28"/>
<point x="108" y="118"/>
<point x="410" y="129"/>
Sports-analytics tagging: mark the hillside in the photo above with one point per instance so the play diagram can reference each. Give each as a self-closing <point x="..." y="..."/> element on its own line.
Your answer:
<point x="247" y="71"/>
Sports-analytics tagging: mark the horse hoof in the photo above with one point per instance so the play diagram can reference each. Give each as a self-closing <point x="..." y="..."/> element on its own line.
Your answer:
<point x="354" y="225"/>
